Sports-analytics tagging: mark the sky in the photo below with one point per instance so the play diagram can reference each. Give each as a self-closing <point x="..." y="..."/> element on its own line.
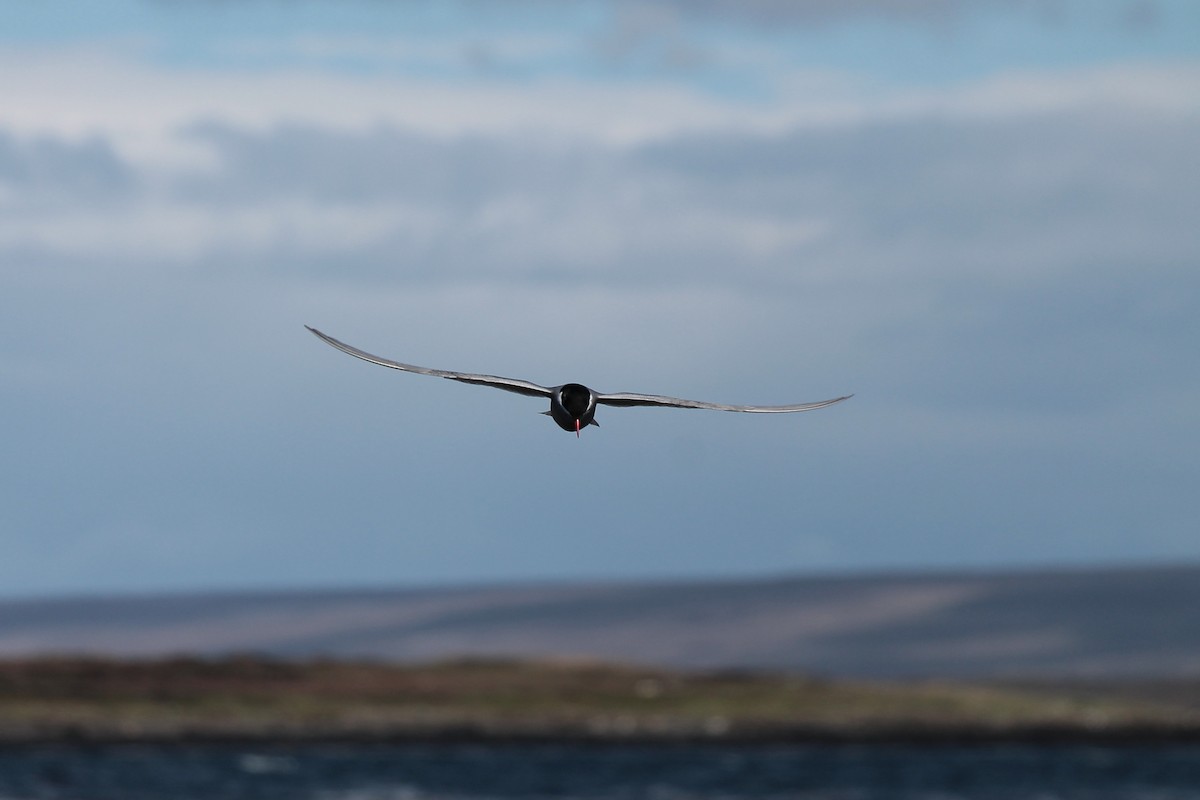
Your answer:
<point x="977" y="216"/>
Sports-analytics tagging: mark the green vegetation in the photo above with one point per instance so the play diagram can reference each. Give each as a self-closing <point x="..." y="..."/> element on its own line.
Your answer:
<point x="257" y="697"/>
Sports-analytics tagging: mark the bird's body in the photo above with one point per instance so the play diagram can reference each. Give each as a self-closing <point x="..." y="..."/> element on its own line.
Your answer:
<point x="572" y="405"/>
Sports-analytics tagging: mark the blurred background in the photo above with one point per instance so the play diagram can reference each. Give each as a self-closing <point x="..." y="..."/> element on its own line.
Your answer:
<point x="977" y="216"/>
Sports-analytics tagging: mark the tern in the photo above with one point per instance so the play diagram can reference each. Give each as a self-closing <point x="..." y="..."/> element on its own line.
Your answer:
<point x="572" y="405"/>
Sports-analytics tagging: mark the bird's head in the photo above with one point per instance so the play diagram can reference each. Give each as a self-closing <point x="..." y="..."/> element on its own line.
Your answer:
<point x="573" y="407"/>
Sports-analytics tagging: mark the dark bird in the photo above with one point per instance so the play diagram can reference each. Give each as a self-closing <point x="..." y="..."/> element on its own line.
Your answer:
<point x="572" y="405"/>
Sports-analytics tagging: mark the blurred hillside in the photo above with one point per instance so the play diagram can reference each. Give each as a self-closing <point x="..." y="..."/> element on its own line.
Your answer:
<point x="1117" y="623"/>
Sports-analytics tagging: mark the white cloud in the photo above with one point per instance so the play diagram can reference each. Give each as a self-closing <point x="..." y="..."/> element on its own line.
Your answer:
<point x="1137" y="88"/>
<point x="164" y="231"/>
<point x="86" y="91"/>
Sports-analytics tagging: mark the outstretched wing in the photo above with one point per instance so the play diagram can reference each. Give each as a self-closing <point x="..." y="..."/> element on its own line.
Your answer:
<point x="507" y="384"/>
<point x="633" y="399"/>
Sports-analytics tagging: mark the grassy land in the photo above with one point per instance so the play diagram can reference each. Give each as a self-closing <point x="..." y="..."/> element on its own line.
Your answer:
<point x="263" y="698"/>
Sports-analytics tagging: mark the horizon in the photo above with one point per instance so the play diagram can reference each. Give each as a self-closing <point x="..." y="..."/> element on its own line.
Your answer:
<point x="602" y="582"/>
<point x="1069" y="624"/>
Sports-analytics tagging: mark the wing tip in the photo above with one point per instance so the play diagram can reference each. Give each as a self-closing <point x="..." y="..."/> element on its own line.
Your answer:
<point x="324" y="337"/>
<point x="834" y="401"/>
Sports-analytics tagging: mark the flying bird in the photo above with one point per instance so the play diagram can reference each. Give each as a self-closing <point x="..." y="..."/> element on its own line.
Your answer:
<point x="572" y="405"/>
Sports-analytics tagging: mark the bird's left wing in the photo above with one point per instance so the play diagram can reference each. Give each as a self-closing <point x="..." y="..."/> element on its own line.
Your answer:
<point x="507" y="384"/>
<point x="633" y="399"/>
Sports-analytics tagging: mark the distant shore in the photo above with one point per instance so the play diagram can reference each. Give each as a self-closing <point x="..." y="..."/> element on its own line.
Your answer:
<point x="259" y="700"/>
<point x="534" y="734"/>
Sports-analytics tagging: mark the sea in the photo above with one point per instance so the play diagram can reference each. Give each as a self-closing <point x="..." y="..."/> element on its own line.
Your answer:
<point x="597" y="772"/>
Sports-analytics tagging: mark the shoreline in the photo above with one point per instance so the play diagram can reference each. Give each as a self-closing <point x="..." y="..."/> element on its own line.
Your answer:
<point x="528" y="734"/>
<point x="261" y="701"/>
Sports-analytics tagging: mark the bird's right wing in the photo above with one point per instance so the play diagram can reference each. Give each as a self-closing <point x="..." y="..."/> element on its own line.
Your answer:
<point x="507" y="384"/>
<point x="634" y="399"/>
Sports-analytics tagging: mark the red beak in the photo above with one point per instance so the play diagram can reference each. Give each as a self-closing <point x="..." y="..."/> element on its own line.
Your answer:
<point x="576" y="429"/>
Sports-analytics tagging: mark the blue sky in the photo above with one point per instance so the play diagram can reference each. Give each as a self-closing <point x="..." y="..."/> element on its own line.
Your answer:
<point x="977" y="216"/>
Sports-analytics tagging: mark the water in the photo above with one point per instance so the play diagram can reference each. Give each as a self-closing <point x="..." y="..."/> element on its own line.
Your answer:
<point x="412" y="772"/>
